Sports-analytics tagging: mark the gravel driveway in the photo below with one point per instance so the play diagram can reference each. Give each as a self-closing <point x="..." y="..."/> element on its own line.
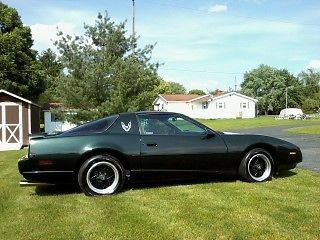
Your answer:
<point x="309" y="144"/>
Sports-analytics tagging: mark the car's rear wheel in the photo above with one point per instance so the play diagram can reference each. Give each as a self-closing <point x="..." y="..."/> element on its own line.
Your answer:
<point x="256" y="166"/>
<point x="101" y="175"/>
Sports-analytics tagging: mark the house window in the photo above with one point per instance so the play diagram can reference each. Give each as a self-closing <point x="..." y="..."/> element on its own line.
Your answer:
<point x="54" y="118"/>
<point x="220" y="105"/>
<point x="244" y="105"/>
<point x="204" y="105"/>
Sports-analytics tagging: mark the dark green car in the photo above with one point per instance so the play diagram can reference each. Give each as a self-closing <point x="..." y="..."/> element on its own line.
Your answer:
<point x="101" y="155"/>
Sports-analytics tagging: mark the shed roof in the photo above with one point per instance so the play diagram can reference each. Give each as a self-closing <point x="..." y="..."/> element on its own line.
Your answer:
<point x="18" y="97"/>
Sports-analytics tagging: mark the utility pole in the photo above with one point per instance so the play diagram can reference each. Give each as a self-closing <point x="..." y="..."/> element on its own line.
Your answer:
<point x="235" y="83"/>
<point x="286" y="97"/>
<point x="133" y="30"/>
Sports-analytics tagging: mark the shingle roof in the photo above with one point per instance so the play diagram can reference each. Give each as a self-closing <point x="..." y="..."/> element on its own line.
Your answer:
<point x="179" y="97"/>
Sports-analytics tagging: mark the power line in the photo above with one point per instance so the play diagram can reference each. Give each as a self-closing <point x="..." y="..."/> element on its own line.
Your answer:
<point x="200" y="71"/>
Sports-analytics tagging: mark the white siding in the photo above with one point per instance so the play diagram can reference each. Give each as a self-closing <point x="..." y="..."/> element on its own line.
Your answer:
<point x="55" y="126"/>
<point x="229" y="105"/>
<point x="232" y="106"/>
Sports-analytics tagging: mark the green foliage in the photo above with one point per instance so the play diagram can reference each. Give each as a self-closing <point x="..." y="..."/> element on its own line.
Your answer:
<point x="312" y="104"/>
<point x="101" y="76"/>
<point x="176" y="88"/>
<point x="311" y="90"/>
<point x="52" y="70"/>
<point x="20" y="71"/>
<point x="197" y="92"/>
<point x="268" y="85"/>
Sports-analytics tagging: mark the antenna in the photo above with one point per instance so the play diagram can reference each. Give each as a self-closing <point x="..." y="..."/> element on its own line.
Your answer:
<point x="133" y="30"/>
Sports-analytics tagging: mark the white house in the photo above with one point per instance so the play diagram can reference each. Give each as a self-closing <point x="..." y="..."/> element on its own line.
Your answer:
<point x="52" y="123"/>
<point x="226" y="105"/>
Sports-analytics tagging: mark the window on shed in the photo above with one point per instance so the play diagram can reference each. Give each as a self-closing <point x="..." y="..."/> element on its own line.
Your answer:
<point x="220" y="105"/>
<point x="244" y="105"/>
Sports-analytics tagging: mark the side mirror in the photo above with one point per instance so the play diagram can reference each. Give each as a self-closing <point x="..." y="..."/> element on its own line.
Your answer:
<point x="208" y="134"/>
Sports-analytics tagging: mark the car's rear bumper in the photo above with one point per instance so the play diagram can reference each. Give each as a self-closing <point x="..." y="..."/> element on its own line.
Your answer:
<point x="33" y="176"/>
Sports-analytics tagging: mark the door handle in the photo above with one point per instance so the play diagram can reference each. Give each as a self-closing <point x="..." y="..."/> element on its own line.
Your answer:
<point x="152" y="144"/>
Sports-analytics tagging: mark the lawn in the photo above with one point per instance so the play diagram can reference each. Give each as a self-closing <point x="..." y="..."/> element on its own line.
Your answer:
<point x="262" y="121"/>
<point x="313" y="130"/>
<point x="288" y="207"/>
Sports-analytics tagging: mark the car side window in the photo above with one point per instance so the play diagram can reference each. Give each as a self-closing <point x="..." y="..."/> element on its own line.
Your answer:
<point x="184" y="125"/>
<point x="166" y="124"/>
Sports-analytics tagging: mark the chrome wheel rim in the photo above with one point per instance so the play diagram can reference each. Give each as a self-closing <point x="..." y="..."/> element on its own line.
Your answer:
<point x="102" y="178"/>
<point x="259" y="167"/>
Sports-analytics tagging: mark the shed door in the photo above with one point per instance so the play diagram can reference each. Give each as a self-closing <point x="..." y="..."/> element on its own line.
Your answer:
<point x="10" y="126"/>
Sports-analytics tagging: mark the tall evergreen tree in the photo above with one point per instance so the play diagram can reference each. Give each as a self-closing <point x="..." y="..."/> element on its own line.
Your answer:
<point x="101" y="75"/>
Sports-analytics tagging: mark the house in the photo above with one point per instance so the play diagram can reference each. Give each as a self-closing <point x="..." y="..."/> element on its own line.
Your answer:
<point x="52" y="123"/>
<point x="223" y="105"/>
<point x="19" y="117"/>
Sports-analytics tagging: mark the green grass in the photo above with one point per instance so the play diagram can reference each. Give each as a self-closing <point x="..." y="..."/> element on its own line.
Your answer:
<point x="288" y="207"/>
<point x="312" y="130"/>
<point x="262" y="121"/>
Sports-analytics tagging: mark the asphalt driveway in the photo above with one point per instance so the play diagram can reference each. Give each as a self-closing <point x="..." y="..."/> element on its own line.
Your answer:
<point x="309" y="144"/>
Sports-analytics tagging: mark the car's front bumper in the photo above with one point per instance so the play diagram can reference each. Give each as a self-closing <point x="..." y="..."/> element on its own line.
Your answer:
<point x="289" y="158"/>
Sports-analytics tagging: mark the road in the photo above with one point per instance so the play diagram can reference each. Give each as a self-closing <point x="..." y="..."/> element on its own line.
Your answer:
<point x="309" y="144"/>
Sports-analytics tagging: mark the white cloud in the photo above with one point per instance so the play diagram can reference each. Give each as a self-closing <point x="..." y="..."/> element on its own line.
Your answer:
<point x="218" y="8"/>
<point x="314" y="64"/>
<point x="67" y="20"/>
<point x="45" y="34"/>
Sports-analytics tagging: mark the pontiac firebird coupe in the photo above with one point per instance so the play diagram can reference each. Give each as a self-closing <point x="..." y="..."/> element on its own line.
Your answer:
<point x="101" y="155"/>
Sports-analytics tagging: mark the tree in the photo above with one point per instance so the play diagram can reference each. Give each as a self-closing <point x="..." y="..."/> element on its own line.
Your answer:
<point x="19" y="69"/>
<point x="101" y="76"/>
<point x="52" y="70"/>
<point x="269" y="86"/>
<point x="310" y="80"/>
<point x="176" y="88"/>
<point x="197" y="92"/>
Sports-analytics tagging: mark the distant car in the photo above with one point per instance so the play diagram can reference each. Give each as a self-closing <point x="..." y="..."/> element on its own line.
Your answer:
<point x="101" y="155"/>
<point x="291" y="113"/>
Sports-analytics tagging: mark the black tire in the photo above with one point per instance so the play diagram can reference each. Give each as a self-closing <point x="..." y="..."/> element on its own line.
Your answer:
<point x="101" y="175"/>
<point x="256" y="166"/>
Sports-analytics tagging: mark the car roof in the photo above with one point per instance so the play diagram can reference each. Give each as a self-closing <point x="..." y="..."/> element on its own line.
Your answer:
<point x="148" y="112"/>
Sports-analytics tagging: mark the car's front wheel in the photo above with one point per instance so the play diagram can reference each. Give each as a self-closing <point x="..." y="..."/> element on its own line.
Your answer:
<point x="101" y="175"/>
<point x="256" y="166"/>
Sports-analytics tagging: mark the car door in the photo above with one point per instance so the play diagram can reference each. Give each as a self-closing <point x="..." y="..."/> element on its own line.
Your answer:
<point x="172" y="142"/>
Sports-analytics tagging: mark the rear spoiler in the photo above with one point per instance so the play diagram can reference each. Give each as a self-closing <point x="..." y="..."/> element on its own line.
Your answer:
<point x="42" y="135"/>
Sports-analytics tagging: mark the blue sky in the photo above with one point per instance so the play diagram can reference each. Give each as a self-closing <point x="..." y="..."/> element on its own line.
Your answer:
<point x="203" y="44"/>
